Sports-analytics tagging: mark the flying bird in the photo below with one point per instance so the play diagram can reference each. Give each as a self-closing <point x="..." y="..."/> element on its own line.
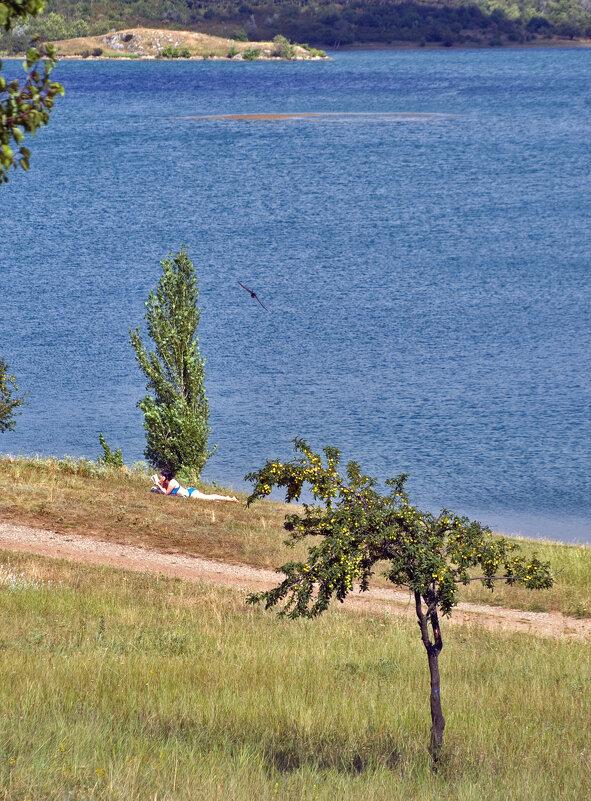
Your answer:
<point x="253" y="295"/>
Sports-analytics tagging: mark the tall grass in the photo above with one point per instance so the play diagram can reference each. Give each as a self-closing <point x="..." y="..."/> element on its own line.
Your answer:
<point x="122" y="686"/>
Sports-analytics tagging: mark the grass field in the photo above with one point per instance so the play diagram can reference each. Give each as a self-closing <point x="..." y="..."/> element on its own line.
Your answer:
<point x="66" y="496"/>
<point x="116" y="685"/>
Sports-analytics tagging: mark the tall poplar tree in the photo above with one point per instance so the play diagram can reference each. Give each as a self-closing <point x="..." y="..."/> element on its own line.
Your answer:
<point x="176" y="410"/>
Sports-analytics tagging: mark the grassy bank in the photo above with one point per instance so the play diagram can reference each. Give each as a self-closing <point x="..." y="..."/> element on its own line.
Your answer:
<point x="66" y="496"/>
<point x="124" y="686"/>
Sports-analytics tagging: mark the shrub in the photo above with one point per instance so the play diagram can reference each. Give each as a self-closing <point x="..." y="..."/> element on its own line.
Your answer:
<point x="251" y="54"/>
<point x="175" y="52"/>
<point x="283" y="48"/>
<point x="170" y="52"/>
<point x="109" y="458"/>
<point x="9" y="401"/>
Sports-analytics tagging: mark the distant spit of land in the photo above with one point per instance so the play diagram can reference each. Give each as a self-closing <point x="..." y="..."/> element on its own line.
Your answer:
<point x="251" y="30"/>
<point x="150" y="43"/>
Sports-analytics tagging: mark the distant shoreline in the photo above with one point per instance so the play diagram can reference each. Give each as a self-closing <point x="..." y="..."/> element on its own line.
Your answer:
<point x="151" y="44"/>
<point x="539" y="44"/>
<point x="367" y="48"/>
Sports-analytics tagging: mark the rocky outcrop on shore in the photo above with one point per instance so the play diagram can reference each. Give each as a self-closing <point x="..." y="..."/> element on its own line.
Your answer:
<point x="148" y="43"/>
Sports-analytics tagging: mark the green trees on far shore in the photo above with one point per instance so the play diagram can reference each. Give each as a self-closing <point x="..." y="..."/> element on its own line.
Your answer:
<point x="482" y="22"/>
<point x="176" y="410"/>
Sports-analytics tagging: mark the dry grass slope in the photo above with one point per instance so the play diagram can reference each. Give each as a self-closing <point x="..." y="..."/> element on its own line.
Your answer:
<point x="64" y="496"/>
<point x="149" y="43"/>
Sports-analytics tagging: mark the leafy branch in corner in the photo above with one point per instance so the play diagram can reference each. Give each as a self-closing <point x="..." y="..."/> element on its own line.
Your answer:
<point x="25" y="105"/>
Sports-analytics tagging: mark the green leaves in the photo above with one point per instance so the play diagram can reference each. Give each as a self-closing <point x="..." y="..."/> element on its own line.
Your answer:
<point x="25" y="105"/>
<point x="109" y="458"/>
<point x="10" y="402"/>
<point x="15" y="9"/>
<point x="359" y="527"/>
<point x="176" y="409"/>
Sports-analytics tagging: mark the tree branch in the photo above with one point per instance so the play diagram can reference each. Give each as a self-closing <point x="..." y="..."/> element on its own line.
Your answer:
<point x="422" y="622"/>
<point x="438" y="644"/>
<point x="491" y="578"/>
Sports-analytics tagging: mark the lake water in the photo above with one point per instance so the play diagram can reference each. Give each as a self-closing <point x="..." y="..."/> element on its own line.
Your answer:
<point x="426" y="276"/>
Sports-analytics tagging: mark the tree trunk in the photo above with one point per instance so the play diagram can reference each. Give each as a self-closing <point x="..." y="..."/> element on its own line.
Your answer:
<point x="433" y="648"/>
<point x="437" y="719"/>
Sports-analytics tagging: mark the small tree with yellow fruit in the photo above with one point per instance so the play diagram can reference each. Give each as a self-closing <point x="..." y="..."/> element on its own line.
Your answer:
<point x="357" y="527"/>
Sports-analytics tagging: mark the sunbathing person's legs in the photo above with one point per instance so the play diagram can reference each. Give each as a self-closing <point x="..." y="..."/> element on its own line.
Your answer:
<point x="201" y="496"/>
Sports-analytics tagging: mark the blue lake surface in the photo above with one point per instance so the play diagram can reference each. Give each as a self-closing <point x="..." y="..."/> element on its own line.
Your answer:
<point x="427" y="277"/>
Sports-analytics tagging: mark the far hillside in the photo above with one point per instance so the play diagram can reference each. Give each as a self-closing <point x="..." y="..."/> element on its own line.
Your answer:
<point x="323" y="23"/>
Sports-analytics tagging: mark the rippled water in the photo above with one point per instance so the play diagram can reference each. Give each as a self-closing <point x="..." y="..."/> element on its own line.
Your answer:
<point x="421" y="245"/>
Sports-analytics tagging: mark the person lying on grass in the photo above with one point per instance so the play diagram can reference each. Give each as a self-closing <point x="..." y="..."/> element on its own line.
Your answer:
<point x="167" y="484"/>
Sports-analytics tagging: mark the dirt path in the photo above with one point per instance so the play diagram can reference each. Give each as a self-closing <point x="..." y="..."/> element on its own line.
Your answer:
<point x="79" y="548"/>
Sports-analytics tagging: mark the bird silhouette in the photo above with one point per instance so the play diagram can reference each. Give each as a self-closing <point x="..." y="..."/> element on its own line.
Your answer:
<point x="253" y="295"/>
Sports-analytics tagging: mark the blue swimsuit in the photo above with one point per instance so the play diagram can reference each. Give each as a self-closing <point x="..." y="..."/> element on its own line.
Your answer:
<point x="190" y="490"/>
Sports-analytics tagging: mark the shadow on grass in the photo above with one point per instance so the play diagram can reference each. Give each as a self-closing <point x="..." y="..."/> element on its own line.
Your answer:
<point x="288" y="759"/>
<point x="283" y="755"/>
